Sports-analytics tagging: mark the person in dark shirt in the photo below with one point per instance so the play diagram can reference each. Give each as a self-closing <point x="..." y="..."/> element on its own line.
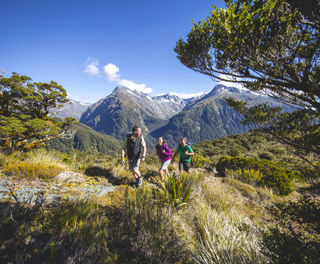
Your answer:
<point x="135" y="146"/>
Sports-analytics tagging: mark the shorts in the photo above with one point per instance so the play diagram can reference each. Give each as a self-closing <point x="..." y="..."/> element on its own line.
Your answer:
<point x="184" y="165"/>
<point x="165" y="164"/>
<point x="134" y="164"/>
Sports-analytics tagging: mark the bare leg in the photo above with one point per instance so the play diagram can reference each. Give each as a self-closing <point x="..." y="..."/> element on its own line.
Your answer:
<point x="167" y="173"/>
<point x="136" y="173"/>
<point x="161" y="174"/>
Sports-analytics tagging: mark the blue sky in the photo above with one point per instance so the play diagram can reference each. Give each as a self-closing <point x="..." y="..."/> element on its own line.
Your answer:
<point x="90" y="47"/>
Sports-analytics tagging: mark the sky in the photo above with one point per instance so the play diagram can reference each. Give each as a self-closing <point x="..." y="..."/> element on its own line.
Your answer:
<point x="91" y="46"/>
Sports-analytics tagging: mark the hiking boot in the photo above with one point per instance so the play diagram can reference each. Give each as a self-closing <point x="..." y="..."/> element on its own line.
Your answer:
<point x="139" y="182"/>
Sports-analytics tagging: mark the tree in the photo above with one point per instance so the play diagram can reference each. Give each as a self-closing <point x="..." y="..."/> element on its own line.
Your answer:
<point x="24" y="113"/>
<point x="271" y="47"/>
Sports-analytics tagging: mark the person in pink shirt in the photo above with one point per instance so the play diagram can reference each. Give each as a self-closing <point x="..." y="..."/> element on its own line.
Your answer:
<point x="164" y="154"/>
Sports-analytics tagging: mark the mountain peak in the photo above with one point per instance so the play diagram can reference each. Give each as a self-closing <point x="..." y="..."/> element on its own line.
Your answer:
<point x="120" y="89"/>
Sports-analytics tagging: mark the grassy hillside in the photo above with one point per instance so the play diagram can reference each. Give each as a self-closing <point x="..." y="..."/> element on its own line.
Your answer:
<point x="86" y="139"/>
<point x="191" y="218"/>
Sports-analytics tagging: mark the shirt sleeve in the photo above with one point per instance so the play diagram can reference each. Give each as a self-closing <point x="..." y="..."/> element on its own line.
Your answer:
<point x="190" y="149"/>
<point x="143" y="143"/>
<point x="168" y="151"/>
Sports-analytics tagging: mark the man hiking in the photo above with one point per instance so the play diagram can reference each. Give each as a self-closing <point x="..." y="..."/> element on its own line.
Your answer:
<point x="136" y="151"/>
<point x="185" y="151"/>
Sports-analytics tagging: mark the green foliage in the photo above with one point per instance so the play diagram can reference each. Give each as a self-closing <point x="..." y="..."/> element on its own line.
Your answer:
<point x="178" y="188"/>
<point x="24" y="113"/>
<point x="271" y="47"/>
<point x="262" y="45"/>
<point x="278" y="178"/>
<point x="295" y="237"/>
<point x="86" y="139"/>
<point x="198" y="161"/>
<point x="299" y="130"/>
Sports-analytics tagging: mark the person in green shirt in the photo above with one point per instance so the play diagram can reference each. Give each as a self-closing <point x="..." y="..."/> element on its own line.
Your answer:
<point x="185" y="152"/>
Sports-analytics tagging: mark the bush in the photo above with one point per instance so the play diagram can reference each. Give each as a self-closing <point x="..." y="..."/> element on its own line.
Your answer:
<point x="278" y="178"/>
<point x="265" y="155"/>
<point x="198" y="161"/>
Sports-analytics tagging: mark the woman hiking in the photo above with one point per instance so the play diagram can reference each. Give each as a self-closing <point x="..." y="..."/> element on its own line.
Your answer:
<point x="164" y="154"/>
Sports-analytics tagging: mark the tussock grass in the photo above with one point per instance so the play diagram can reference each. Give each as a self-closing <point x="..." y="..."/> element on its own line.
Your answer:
<point x="34" y="165"/>
<point x="227" y="238"/>
<point x="31" y="171"/>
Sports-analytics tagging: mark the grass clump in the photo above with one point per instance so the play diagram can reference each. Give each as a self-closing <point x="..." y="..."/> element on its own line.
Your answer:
<point x="177" y="188"/>
<point x="144" y="231"/>
<point x="227" y="238"/>
<point x="32" y="171"/>
<point x="76" y="231"/>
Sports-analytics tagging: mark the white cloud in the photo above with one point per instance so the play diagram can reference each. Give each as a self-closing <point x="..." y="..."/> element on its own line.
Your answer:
<point x="136" y="86"/>
<point x="112" y="72"/>
<point x="92" y="67"/>
<point x="186" y="95"/>
<point x="113" y="75"/>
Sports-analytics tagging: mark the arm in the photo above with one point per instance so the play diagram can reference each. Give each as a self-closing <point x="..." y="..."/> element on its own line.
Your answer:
<point x="122" y="156"/>
<point x="123" y="151"/>
<point x="167" y="151"/>
<point x="174" y="155"/>
<point x="144" y="150"/>
<point x="189" y="151"/>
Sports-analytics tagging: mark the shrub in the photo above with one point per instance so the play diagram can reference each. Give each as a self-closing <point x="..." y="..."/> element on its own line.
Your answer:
<point x="295" y="236"/>
<point x="265" y="155"/>
<point x="278" y="178"/>
<point x="198" y="161"/>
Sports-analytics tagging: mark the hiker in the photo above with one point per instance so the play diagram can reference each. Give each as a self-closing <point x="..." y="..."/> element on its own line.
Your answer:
<point x="185" y="151"/>
<point x="164" y="154"/>
<point x="136" y="151"/>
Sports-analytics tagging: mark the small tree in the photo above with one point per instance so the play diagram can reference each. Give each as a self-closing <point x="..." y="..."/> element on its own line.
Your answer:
<point x="271" y="47"/>
<point x="24" y="113"/>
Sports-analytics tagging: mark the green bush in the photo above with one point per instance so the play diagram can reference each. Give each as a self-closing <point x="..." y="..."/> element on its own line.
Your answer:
<point x="199" y="161"/>
<point x="278" y="178"/>
<point x="266" y="155"/>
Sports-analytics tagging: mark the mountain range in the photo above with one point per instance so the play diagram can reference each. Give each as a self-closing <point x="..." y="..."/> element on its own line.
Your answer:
<point x="72" y="108"/>
<point x="199" y="118"/>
